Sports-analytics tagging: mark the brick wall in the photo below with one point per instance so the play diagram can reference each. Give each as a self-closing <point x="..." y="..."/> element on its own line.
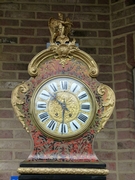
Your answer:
<point x="106" y="32"/>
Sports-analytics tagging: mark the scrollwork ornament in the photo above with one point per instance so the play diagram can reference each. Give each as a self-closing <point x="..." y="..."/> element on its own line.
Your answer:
<point x="108" y="103"/>
<point x="17" y="101"/>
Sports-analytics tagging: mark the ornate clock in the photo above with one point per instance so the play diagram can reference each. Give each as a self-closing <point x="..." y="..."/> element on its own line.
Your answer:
<point x="63" y="107"/>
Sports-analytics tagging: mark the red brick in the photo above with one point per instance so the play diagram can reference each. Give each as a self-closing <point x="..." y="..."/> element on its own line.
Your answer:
<point x="95" y="25"/>
<point x="9" y="22"/>
<point x="108" y="145"/>
<point x="105" y="51"/>
<point x="35" y="7"/>
<point x="123" y="85"/>
<point x="28" y="40"/>
<point x="34" y="23"/>
<point x="125" y="124"/>
<point x="102" y="59"/>
<point x="96" y="42"/>
<point x="13" y="124"/>
<point x="130" y="20"/>
<point x="13" y="6"/>
<point x="105" y="68"/>
<point x="6" y="155"/>
<point x="21" y="134"/>
<point x="111" y="166"/>
<point x="5" y="94"/>
<point x="83" y="17"/>
<point x="103" y="2"/>
<point x="119" y="49"/>
<point x="6" y="134"/>
<point x="67" y="8"/>
<point x="5" y="144"/>
<point x="26" y="57"/>
<point x="1" y="13"/>
<point x="8" y="57"/>
<point x="106" y="135"/>
<point x="14" y="66"/>
<point x="130" y="49"/>
<point x="118" y="23"/>
<point x="22" y="155"/>
<point x="17" y="49"/>
<point x="127" y="176"/>
<point x="104" y="33"/>
<point x="124" y="95"/>
<point x="126" y="145"/>
<point x="120" y="67"/>
<point x="76" y="25"/>
<point x="23" y="144"/>
<point x="87" y="1"/>
<point x="118" y="41"/>
<point x="123" y="30"/>
<point x="44" y="15"/>
<point x="103" y="17"/>
<point x="118" y="6"/>
<point x="119" y="58"/>
<point x="104" y="77"/>
<point x="9" y="75"/>
<point x="124" y="104"/>
<point x="111" y="176"/>
<point x="123" y="76"/>
<point x="19" y="31"/>
<point x="40" y="48"/>
<point x="126" y="156"/>
<point x="4" y="85"/>
<point x="95" y="9"/>
<point x="127" y="166"/>
<point x="43" y="32"/>
<point x="106" y="155"/>
<point x="23" y="76"/>
<point x="20" y="14"/>
<point x="5" y="104"/>
<point x="110" y="124"/>
<point x="89" y="50"/>
<point x="125" y="134"/>
<point x="6" y="114"/>
<point x="124" y="114"/>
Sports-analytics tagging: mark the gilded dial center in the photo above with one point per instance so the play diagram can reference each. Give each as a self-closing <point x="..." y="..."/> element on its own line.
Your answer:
<point x="71" y="103"/>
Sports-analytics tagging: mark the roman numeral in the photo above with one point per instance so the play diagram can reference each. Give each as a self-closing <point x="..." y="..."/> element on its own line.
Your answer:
<point x="43" y="116"/>
<point x="82" y="117"/>
<point x="85" y="107"/>
<point x="41" y="105"/>
<point x="53" y="87"/>
<point x="64" y="85"/>
<point x="44" y="95"/>
<point x="63" y="129"/>
<point x="74" y="87"/>
<point x="82" y="95"/>
<point x="74" y="125"/>
<point x="52" y="125"/>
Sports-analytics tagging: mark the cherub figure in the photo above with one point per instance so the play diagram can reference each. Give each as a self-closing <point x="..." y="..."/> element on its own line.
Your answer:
<point x="59" y="27"/>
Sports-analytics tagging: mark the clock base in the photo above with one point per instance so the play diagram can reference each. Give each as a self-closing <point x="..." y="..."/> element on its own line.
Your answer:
<point x="60" y="171"/>
<point x="62" y="177"/>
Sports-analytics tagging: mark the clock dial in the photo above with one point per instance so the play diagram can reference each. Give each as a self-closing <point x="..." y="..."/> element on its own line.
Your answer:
<point x="63" y="107"/>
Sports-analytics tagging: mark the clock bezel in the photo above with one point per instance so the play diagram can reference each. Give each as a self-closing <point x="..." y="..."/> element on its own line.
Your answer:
<point x="63" y="137"/>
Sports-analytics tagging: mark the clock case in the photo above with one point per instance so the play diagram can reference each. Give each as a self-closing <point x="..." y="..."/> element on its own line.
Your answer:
<point x="62" y="58"/>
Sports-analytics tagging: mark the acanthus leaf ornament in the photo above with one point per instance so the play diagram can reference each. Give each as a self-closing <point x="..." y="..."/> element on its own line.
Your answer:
<point x="16" y="101"/>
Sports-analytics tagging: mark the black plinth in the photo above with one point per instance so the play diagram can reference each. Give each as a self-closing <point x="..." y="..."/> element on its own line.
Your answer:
<point x="62" y="176"/>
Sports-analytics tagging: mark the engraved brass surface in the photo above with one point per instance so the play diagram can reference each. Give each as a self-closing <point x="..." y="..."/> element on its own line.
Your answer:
<point x="72" y="104"/>
<point x="63" y="171"/>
